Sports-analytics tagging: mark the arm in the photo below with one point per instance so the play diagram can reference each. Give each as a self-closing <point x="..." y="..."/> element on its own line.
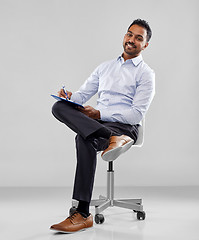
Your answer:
<point x="88" y="89"/>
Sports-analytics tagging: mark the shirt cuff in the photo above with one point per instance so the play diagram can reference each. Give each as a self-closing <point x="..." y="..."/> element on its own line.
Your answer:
<point x="75" y="98"/>
<point x="105" y="115"/>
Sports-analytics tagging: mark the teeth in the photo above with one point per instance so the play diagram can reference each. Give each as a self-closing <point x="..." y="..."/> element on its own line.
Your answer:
<point x="129" y="45"/>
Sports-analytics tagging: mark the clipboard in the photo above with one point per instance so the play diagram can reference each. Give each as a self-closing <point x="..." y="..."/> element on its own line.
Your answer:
<point x="67" y="101"/>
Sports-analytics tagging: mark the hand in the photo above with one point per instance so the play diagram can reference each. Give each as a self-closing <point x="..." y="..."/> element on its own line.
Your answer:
<point x="61" y="93"/>
<point x="90" y="112"/>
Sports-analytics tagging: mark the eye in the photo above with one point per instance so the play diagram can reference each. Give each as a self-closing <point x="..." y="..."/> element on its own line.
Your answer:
<point x="139" y="38"/>
<point x="129" y="35"/>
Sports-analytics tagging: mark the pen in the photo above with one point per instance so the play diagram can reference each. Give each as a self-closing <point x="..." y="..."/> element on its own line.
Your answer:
<point x="63" y="87"/>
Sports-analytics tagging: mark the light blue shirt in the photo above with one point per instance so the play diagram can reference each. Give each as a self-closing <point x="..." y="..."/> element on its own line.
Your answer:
<point x="125" y="90"/>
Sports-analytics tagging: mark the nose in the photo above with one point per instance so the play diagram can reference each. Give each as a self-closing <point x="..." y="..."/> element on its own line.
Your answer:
<point x="132" y="39"/>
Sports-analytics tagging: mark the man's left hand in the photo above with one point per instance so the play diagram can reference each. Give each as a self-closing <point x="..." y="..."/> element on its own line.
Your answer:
<point x="90" y="112"/>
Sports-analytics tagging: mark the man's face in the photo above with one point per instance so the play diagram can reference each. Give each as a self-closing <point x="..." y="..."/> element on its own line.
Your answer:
<point x="135" y="40"/>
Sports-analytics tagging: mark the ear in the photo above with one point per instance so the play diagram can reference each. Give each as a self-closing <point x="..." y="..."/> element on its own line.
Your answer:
<point x="146" y="45"/>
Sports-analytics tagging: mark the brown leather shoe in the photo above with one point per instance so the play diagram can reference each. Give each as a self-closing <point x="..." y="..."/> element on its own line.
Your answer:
<point x="117" y="146"/>
<point x="74" y="223"/>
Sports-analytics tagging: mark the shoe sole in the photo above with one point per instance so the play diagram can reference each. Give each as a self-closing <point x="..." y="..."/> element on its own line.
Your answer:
<point x="81" y="230"/>
<point x="116" y="152"/>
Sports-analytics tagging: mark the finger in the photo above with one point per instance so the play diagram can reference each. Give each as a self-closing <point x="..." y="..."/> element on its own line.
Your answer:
<point x="69" y="94"/>
<point x="87" y="107"/>
<point x="81" y="109"/>
<point x="61" y="93"/>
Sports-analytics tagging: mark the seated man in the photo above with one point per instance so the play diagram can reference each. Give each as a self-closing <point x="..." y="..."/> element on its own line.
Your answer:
<point x="125" y="88"/>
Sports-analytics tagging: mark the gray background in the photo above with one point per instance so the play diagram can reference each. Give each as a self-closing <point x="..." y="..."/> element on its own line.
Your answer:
<point x="45" y="44"/>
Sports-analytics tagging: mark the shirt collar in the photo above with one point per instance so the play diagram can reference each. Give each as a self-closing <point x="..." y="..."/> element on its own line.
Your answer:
<point x="135" y="60"/>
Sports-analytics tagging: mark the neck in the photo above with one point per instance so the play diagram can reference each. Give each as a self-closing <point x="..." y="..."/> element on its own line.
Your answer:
<point x="127" y="56"/>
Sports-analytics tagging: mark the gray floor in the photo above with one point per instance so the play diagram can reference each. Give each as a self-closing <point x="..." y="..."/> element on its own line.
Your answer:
<point x="172" y="213"/>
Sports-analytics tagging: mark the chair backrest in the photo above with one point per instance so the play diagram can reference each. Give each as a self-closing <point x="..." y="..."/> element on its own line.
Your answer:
<point x="140" y="139"/>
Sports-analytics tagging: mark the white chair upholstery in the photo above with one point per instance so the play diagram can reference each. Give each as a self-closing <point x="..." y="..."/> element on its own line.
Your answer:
<point x="140" y="139"/>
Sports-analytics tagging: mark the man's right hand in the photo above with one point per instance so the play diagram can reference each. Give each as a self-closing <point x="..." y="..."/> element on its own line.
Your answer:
<point x="61" y="93"/>
<point x="90" y="112"/>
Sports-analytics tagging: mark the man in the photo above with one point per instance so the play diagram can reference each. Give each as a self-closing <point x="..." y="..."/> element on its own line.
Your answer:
<point x="125" y="88"/>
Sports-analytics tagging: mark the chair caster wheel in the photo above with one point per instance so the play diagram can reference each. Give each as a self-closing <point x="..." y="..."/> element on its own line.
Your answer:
<point x="72" y="210"/>
<point x="99" y="218"/>
<point x="141" y="215"/>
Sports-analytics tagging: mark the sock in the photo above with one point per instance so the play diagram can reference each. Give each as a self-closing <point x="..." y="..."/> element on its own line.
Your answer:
<point x="83" y="208"/>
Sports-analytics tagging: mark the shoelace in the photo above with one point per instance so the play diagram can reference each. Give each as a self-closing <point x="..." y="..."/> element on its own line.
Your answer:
<point x="73" y="215"/>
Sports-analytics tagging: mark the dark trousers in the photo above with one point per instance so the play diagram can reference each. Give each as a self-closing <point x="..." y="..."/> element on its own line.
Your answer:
<point x="88" y="144"/>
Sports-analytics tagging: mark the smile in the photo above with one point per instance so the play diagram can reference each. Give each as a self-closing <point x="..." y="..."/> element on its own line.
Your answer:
<point x="130" y="45"/>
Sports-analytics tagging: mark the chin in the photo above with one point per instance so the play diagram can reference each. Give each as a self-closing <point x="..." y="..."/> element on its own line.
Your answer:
<point x="130" y="53"/>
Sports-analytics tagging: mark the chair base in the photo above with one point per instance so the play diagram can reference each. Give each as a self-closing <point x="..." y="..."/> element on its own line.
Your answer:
<point x="104" y="202"/>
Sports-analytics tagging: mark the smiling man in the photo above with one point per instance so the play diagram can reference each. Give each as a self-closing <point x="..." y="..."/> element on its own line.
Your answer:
<point x="135" y="40"/>
<point x="125" y="88"/>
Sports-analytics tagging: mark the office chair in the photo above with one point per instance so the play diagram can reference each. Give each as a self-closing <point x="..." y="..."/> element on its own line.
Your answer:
<point x="104" y="202"/>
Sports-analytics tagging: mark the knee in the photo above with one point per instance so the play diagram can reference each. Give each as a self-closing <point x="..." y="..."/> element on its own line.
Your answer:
<point x="79" y="140"/>
<point x="56" y="109"/>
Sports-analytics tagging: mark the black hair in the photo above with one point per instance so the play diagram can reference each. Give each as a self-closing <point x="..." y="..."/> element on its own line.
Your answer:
<point x="144" y="24"/>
